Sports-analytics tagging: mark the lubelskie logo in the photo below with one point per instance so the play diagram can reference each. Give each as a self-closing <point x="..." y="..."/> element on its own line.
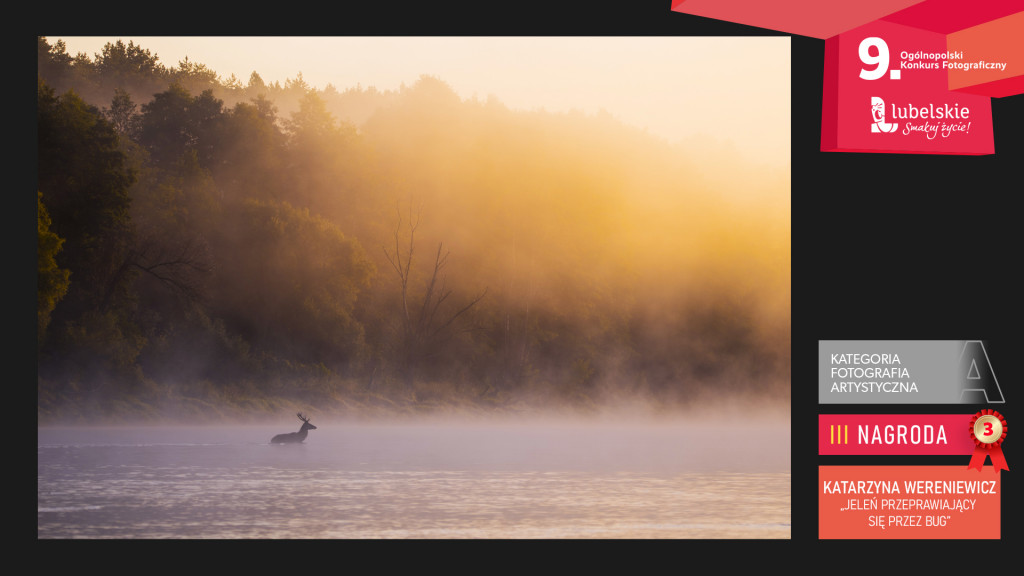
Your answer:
<point x="931" y="120"/>
<point x="878" y="116"/>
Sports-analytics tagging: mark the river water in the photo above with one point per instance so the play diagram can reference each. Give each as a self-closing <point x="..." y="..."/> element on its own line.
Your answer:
<point x="423" y="481"/>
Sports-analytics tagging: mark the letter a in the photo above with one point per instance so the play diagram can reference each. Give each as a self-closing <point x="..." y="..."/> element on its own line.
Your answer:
<point x="977" y="377"/>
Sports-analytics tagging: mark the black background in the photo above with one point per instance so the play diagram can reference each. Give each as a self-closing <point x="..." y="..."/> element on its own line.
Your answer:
<point x="884" y="247"/>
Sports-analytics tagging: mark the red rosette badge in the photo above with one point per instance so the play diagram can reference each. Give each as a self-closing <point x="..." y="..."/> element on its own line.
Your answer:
<point x="988" y="430"/>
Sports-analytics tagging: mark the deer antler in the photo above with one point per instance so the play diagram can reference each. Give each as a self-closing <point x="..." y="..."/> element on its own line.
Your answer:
<point x="301" y="417"/>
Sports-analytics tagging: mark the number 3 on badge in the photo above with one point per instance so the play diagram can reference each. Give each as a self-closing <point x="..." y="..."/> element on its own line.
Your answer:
<point x="880" y="61"/>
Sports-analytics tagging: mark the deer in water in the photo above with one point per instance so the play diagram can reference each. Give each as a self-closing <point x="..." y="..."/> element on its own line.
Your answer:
<point x="294" y="437"/>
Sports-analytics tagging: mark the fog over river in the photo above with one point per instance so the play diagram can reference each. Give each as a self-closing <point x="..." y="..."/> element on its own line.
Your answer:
<point x="536" y="479"/>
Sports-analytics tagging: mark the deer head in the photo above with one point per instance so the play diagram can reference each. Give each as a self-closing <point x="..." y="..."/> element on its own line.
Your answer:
<point x="305" y="422"/>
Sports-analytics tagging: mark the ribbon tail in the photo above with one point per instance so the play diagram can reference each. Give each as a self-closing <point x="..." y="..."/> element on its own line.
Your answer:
<point x="998" y="460"/>
<point x="977" y="459"/>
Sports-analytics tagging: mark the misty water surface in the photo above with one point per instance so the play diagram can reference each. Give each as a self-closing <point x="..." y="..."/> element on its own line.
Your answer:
<point x="416" y="481"/>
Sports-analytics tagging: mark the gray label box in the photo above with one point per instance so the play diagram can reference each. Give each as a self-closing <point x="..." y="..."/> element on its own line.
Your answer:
<point x="906" y="372"/>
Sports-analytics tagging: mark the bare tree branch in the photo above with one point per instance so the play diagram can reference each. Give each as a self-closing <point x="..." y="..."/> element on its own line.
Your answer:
<point x="423" y="334"/>
<point x="439" y="264"/>
<point x="179" y="267"/>
<point x="403" y="269"/>
<point x="461" y="311"/>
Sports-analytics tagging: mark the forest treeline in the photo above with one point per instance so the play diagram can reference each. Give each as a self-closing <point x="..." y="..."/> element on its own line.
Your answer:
<point x="213" y="249"/>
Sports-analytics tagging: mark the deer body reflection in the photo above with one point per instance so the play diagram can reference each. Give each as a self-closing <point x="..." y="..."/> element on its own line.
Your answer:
<point x="294" y="437"/>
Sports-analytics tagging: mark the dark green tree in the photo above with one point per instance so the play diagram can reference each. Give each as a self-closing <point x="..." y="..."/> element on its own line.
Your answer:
<point x="123" y="113"/>
<point x="84" y="177"/>
<point x="195" y="76"/>
<point x="256" y="88"/>
<point x="251" y="153"/>
<point x="175" y="122"/>
<point x="52" y="280"/>
<point x="328" y="162"/>
<point x="121" y="65"/>
<point x="54" y="62"/>
<point x="292" y="285"/>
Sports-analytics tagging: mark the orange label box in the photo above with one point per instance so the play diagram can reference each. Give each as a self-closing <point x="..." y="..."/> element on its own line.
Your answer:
<point x="908" y="502"/>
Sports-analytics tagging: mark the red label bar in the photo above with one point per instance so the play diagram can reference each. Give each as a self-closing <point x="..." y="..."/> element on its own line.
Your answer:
<point x="908" y="502"/>
<point x="897" y="434"/>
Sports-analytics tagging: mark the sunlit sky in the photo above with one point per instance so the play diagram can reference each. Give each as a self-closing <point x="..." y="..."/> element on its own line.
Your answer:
<point x="735" y="90"/>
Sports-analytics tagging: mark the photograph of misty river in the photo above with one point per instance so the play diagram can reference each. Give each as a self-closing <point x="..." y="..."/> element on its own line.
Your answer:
<point x="413" y="287"/>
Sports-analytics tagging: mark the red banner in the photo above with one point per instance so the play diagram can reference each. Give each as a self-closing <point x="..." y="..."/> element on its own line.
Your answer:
<point x="886" y="90"/>
<point x="884" y="434"/>
<point x="908" y="502"/>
